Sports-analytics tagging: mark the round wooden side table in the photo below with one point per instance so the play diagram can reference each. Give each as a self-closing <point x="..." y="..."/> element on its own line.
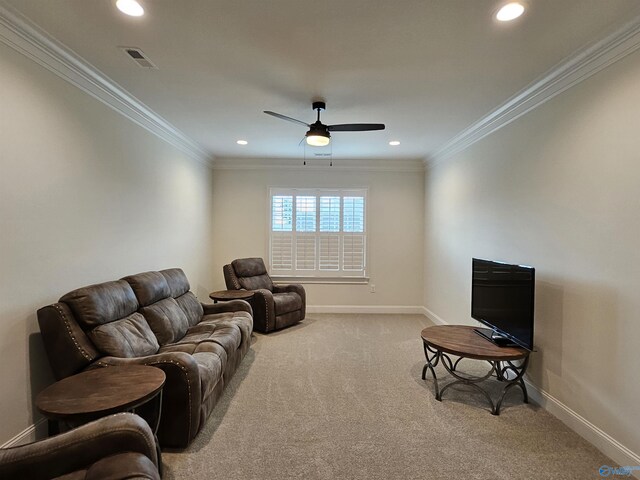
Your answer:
<point x="97" y="393"/>
<point x="226" y="295"/>
<point x="440" y="341"/>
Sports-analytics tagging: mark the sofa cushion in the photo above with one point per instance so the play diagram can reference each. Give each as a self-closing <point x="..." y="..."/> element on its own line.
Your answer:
<point x="286" y="302"/>
<point x="225" y="334"/>
<point x="177" y="281"/>
<point x="127" y="337"/>
<point x="210" y="357"/>
<point x="166" y="319"/>
<point x="149" y="287"/>
<point x="191" y="307"/>
<point x="179" y="288"/>
<point x="243" y="320"/>
<point x="102" y="303"/>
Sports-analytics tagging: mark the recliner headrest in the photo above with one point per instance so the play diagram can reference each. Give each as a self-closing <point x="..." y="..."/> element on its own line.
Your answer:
<point x="249" y="267"/>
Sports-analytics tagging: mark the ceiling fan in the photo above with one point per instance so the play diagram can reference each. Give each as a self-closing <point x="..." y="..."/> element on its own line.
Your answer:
<point x="318" y="134"/>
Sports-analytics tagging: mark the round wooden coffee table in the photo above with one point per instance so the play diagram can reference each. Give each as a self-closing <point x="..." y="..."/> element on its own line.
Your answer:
<point x="96" y="393"/>
<point x="226" y="295"/>
<point x="440" y="341"/>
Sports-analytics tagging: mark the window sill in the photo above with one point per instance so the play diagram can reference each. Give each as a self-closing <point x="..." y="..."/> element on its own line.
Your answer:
<point x="282" y="280"/>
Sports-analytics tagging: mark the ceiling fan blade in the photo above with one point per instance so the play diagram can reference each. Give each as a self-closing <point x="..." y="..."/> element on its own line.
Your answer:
<point x="355" y="127"/>
<point x="284" y="117"/>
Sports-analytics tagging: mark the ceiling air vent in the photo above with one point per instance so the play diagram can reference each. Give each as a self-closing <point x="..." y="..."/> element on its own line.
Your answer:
<point x="139" y="57"/>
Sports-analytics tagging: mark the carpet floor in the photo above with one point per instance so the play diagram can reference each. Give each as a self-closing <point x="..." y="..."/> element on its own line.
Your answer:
<point x="341" y="397"/>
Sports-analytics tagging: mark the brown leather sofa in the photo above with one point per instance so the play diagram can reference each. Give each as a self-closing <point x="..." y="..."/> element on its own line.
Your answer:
<point x="117" y="447"/>
<point x="152" y="319"/>
<point x="274" y="306"/>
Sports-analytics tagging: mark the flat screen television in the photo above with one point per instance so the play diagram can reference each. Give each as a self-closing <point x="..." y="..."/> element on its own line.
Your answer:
<point x="502" y="298"/>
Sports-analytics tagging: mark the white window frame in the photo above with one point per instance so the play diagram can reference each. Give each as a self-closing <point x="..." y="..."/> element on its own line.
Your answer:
<point x="316" y="275"/>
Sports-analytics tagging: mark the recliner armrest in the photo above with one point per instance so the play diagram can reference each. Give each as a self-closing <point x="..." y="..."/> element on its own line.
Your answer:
<point x="230" y="306"/>
<point x="264" y="307"/>
<point x="79" y="448"/>
<point x="295" y="288"/>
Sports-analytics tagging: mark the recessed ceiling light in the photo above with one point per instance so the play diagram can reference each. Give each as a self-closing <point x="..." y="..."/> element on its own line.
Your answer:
<point x="394" y="143"/>
<point x="130" y="7"/>
<point x="242" y="142"/>
<point x="510" y="11"/>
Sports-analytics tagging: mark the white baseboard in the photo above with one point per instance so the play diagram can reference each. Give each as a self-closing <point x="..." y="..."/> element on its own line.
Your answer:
<point x="433" y="317"/>
<point x="365" y="309"/>
<point x="583" y="427"/>
<point x="30" y="434"/>
<point x="604" y="442"/>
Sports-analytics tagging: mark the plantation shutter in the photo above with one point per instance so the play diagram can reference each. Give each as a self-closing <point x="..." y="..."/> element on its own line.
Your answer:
<point x="353" y="249"/>
<point x="353" y="253"/>
<point x="305" y="232"/>
<point x="318" y="233"/>
<point x="281" y="251"/>
<point x="329" y="252"/>
<point x="282" y="230"/>
<point x="329" y="238"/>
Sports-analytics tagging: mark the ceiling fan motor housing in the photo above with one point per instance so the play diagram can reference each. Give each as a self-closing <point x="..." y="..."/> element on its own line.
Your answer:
<point x="317" y="128"/>
<point x="318" y="105"/>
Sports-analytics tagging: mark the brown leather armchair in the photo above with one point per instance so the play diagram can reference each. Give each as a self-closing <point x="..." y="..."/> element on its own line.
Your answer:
<point x="274" y="306"/>
<point x="117" y="447"/>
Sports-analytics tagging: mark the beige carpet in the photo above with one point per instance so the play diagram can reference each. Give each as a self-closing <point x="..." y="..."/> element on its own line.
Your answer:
<point x="340" y="397"/>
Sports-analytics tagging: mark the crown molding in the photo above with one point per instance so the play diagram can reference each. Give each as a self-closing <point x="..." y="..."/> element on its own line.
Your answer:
<point x="342" y="165"/>
<point x="27" y="38"/>
<point x="571" y="71"/>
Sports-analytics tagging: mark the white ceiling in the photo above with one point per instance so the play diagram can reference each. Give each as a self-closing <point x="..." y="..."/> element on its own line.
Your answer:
<point x="425" y="68"/>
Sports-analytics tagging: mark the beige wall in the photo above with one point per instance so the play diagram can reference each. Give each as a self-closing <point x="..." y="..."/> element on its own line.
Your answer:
<point x="558" y="189"/>
<point x="395" y="228"/>
<point x="85" y="196"/>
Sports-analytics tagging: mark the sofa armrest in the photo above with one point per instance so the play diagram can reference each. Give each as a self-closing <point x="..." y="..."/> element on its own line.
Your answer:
<point x="295" y="288"/>
<point x="181" y="395"/>
<point x="79" y="448"/>
<point x="230" y="306"/>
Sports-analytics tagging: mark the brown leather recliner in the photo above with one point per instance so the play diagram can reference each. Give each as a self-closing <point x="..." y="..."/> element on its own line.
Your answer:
<point x="152" y="319"/>
<point x="120" y="446"/>
<point x="274" y="306"/>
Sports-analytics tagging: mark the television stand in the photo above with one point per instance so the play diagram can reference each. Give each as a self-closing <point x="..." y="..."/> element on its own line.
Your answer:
<point x="494" y="337"/>
<point x="463" y="341"/>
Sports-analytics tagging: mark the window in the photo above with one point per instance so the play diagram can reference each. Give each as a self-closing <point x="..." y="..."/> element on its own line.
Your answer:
<point x="318" y="232"/>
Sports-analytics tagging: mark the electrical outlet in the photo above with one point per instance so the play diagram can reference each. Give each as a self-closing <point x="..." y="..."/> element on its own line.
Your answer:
<point x="372" y="288"/>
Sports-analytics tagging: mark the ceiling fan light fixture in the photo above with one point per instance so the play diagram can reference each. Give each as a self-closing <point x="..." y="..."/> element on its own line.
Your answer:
<point x="317" y="140"/>
<point x="318" y="135"/>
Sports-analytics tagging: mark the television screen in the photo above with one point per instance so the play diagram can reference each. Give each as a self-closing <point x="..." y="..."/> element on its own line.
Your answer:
<point x="502" y="297"/>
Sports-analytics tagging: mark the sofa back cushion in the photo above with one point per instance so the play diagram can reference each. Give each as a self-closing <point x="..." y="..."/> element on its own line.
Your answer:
<point x="167" y="320"/>
<point x="188" y="302"/>
<point x="149" y="287"/>
<point x="127" y="337"/>
<point x="176" y="280"/>
<point x="252" y="273"/>
<point x="99" y="304"/>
